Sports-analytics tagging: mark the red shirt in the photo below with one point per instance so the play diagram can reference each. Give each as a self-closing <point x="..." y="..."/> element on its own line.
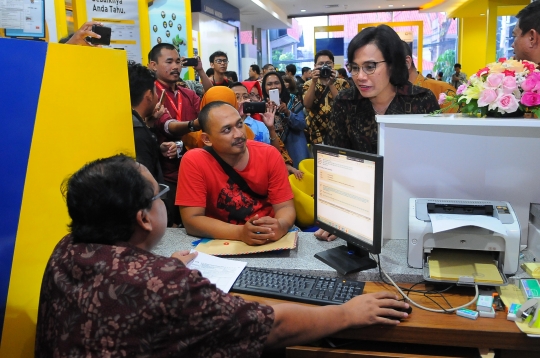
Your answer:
<point x="203" y="183"/>
<point x="189" y="111"/>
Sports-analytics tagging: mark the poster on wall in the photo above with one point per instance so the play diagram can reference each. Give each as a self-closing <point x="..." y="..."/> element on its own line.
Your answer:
<point x="122" y="16"/>
<point x="23" y="18"/>
<point x="168" y="25"/>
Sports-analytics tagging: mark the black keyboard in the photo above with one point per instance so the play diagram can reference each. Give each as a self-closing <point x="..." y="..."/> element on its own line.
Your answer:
<point x="295" y="287"/>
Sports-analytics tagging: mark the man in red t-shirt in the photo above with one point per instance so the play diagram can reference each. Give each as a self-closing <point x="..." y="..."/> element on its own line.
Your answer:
<point x="213" y="205"/>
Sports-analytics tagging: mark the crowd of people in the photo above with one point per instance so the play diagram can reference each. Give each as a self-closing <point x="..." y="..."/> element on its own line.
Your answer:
<point x="217" y="162"/>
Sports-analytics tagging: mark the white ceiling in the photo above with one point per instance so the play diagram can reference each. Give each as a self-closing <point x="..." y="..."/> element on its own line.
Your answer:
<point x="268" y="14"/>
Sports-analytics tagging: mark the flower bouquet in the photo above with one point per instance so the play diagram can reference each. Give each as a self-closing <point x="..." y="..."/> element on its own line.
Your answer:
<point x="503" y="87"/>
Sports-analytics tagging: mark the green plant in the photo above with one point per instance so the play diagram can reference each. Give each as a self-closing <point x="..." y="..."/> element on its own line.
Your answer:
<point x="445" y="64"/>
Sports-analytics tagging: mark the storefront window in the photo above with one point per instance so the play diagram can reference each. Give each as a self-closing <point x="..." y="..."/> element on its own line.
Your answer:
<point x="297" y="45"/>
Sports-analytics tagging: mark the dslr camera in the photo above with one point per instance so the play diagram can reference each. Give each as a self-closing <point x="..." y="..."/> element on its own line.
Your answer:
<point x="325" y="71"/>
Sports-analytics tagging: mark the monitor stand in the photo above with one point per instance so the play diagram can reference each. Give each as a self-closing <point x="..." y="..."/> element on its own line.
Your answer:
<point x="347" y="259"/>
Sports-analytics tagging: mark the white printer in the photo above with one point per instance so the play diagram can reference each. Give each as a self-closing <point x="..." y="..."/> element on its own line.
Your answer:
<point x="422" y="240"/>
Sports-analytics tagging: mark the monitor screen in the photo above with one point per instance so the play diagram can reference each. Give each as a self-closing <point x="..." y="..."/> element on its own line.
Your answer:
<point x="349" y="196"/>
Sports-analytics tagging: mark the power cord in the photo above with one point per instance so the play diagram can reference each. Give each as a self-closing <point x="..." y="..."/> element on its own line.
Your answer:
<point x="406" y="297"/>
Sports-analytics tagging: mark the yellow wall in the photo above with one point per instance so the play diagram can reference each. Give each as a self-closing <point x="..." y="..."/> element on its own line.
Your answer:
<point x="477" y="33"/>
<point x="83" y="114"/>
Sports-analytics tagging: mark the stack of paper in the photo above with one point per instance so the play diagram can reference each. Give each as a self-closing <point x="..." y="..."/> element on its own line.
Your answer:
<point x="450" y="265"/>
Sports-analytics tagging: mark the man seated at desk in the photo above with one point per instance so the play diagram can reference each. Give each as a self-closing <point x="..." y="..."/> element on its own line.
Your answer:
<point x="214" y="204"/>
<point x="105" y="294"/>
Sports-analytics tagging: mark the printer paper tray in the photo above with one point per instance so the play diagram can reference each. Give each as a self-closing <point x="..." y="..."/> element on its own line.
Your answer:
<point x="462" y="282"/>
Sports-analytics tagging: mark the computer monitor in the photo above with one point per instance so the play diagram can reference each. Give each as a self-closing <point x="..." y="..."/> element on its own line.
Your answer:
<point x="348" y="203"/>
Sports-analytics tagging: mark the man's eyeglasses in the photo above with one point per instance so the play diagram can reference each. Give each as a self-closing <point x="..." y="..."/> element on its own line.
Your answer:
<point x="163" y="189"/>
<point x="244" y="97"/>
<point x="368" y="68"/>
<point x="254" y="96"/>
<point x="220" y="61"/>
<point x="327" y="63"/>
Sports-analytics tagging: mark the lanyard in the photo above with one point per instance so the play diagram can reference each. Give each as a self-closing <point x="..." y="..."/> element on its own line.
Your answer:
<point x="178" y="107"/>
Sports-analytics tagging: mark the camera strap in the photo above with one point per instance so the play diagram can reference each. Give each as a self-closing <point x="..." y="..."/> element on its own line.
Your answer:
<point x="324" y="93"/>
<point x="233" y="175"/>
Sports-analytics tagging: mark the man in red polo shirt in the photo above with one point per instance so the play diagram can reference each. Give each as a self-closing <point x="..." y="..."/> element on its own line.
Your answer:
<point x="183" y="109"/>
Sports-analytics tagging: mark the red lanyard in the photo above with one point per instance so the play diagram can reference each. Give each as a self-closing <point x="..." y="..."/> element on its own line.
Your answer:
<point x="178" y="107"/>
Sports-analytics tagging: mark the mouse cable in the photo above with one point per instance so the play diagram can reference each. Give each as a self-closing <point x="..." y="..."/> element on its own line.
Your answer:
<point x="426" y="308"/>
<point x="425" y="293"/>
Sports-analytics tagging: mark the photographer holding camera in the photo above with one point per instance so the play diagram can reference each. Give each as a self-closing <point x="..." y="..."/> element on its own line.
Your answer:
<point x="319" y="94"/>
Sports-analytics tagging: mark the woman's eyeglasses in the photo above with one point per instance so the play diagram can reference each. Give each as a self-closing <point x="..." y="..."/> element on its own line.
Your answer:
<point x="254" y="96"/>
<point x="368" y="67"/>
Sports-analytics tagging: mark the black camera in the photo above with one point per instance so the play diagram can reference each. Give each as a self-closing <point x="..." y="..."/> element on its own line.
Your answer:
<point x="254" y="107"/>
<point x="325" y="71"/>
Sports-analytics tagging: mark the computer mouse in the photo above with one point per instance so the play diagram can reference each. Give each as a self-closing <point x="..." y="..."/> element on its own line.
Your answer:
<point x="408" y="310"/>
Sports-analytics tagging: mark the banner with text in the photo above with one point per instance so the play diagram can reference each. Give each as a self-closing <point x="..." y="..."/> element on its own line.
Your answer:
<point x="122" y="16"/>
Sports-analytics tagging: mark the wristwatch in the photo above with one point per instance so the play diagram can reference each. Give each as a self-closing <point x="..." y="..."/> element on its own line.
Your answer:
<point x="190" y="126"/>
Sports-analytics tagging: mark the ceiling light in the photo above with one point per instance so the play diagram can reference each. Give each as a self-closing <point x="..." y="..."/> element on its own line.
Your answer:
<point x="302" y="10"/>
<point x="390" y="5"/>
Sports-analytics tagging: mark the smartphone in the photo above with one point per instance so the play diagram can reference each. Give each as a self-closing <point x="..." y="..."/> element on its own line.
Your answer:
<point x="162" y="97"/>
<point x="274" y="96"/>
<point x="191" y="62"/>
<point x="104" y="32"/>
<point x="254" y="107"/>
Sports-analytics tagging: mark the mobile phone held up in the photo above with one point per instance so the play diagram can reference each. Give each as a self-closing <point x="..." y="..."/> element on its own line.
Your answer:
<point x="104" y="32"/>
<point x="190" y="62"/>
<point x="274" y="96"/>
<point x="254" y="107"/>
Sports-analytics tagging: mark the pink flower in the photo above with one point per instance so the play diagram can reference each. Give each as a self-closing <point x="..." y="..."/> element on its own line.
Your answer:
<point x="154" y="284"/>
<point x="482" y="71"/>
<point x="530" y="99"/>
<point x="509" y="84"/>
<point x="442" y="98"/>
<point x="461" y="89"/>
<point x="487" y="97"/>
<point x="531" y="83"/>
<point x="507" y="103"/>
<point x="502" y="59"/>
<point x="494" y="80"/>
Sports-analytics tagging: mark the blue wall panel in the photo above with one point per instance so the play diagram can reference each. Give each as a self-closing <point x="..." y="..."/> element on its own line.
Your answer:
<point x="19" y="96"/>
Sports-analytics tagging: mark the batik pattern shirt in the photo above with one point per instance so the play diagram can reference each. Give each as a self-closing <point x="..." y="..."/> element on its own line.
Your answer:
<point x="352" y="122"/>
<point x="122" y="301"/>
<point x="318" y="116"/>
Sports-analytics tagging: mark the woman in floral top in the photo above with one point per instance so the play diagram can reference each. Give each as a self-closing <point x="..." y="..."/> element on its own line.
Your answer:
<point x="104" y="294"/>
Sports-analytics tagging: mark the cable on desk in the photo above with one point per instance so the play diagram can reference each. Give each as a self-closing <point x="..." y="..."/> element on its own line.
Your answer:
<point x="406" y="297"/>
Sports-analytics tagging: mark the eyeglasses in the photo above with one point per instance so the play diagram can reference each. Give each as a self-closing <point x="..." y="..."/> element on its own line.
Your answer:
<point x="254" y="96"/>
<point x="327" y="63"/>
<point x="220" y="61"/>
<point x="368" y="67"/>
<point x="163" y="189"/>
<point x="245" y="97"/>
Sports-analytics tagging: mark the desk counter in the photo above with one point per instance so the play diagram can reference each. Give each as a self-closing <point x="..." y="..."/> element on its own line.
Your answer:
<point x="393" y="257"/>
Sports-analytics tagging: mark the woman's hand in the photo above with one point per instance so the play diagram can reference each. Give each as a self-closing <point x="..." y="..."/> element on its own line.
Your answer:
<point x="268" y="116"/>
<point x="283" y="109"/>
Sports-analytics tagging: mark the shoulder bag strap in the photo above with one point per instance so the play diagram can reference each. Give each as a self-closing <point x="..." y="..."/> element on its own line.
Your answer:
<point x="236" y="178"/>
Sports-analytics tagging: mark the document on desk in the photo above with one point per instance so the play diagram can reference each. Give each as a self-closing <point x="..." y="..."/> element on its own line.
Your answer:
<point x="221" y="272"/>
<point x="445" y="222"/>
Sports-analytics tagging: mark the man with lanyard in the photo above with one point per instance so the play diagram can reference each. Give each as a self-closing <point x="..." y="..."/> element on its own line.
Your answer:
<point x="219" y="62"/>
<point x="183" y="109"/>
